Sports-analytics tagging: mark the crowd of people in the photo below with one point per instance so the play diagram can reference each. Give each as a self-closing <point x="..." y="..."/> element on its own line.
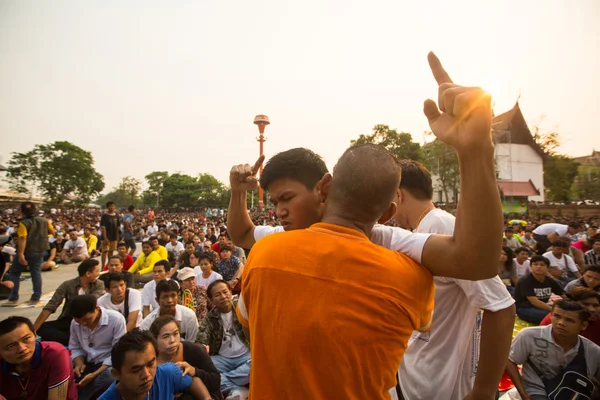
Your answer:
<point x="341" y="306"/>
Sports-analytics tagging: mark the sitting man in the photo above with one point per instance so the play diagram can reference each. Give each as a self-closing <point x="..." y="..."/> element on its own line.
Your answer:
<point x="142" y="267"/>
<point x="562" y="265"/>
<point x="548" y="353"/>
<point x="158" y="249"/>
<point x="91" y="242"/>
<point x="126" y="258"/>
<point x="230" y="267"/>
<point x="138" y="377"/>
<point x="122" y="299"/>
<point x="75" y="249"/>
<point x="592" y="257"/>
<point x="159" y="273"/>
<point x="174" y="248"/>
<point x="33" y="370"/>
<point x="590" y="279"/>
<point x="192" y="296"/>
<point x="115" y="266"/>
<point x="94" y="331"/>
<point x="50" y="257"/>
<point x="227" y="344"/>
<point x="86" y="283"/>
<point x="522" y="261"/>
<point x="534" y="291"/>
<point x="167" y="296"/>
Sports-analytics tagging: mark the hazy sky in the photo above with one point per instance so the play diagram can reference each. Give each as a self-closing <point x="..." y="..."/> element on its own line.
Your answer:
<point x="175" y="85"/>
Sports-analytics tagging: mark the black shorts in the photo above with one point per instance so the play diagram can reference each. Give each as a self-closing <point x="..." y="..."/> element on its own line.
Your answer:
<point x="130" y="243"/>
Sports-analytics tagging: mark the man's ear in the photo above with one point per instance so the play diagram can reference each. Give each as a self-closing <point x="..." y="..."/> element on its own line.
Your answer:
<point x="584" y="326"/>
<point x="323" y="187"/>
<point x="388" y="214"/>
<point x="115" y="374"/>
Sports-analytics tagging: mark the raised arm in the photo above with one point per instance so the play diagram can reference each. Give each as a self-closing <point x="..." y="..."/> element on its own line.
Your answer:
<point x="242" y="178"/>
<point x="463" y="121"/>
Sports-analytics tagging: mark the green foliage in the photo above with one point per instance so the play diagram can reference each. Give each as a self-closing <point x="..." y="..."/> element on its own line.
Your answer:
<point x="399" y="143"/>
<point x="559" y="173"/>
<point x="130" y="187"/>
<point x="156" y="180"/>
<point x="57" y="170"/>
<point x="441" y="160"/>
<point x="185" y="191"/>
<point x="124" y="195"/>
<point x="587" y="185"/>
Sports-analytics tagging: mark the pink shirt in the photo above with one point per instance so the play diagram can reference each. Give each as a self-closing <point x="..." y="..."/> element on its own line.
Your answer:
<point x="581" y="245"/>
<point x="51" y="368"/>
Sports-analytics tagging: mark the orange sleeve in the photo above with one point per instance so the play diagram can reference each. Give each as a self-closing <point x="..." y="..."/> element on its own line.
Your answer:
<point x="21" y="230"/>
<point x="51" y="230"/>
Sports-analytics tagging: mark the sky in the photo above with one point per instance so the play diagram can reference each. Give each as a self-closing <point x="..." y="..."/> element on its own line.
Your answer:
<point x="175" y="85"/>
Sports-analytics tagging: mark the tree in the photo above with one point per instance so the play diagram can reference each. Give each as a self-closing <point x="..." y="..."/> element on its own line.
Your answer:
<point x="399" y="143"/>
<point x="559" y="173"/>
<point x="180" y="190"/>
<point x="588" y="184"/>
<point x="131" y="187"/>
<point x="441" y="160"/>
<point x="156" y="181"/>
<point x="212" y="191"/>
<point x="58" y="170"/>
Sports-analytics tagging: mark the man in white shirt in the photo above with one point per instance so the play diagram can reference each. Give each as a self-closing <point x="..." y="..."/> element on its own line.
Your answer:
<point x="122" y="299"/>
<point x="562" y="266"/>
<point x="75" y="249"/>
<point x="174" y="248"/>
<point x="522" y="261"/>
<point x="159" y="273"/>
<point x="546" y="234"/>
<point x="473" y="363"/>
<point x="94" y="331"/>
<point x="167" y="295"/>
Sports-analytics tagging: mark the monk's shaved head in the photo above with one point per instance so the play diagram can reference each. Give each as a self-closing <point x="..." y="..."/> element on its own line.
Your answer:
<point x="365" y="181"/>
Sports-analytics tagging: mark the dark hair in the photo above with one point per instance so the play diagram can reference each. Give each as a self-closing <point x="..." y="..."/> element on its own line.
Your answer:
<point x="208" y="256"/>
<point x="197" y="254"/>
<point x="574" y="225"/>
<point x="122" y="244"/>
<point x="135" y="340"/>
<point x="508" y="264"/>
<point x="416" y="179"/>
<point x="190" y="242"/>
<point x="110" y="203"/>
<point x="593" y="268"/>
<point x="115" y="257"/>
<point x="521" y="249"/>
<point x="115" y="277"/>
<point x="297" y="164"/>
<point x="28" y="208"/>
<point x="151" y="238"/>
<point x="82" y="305"/>
<point x="538" y="258"/>
<point x="160" y="322"/>
<point x="11" y="323"/>
<point x="569" y="305"/>
<point x="560" y="243"/>
<point x="172" y="236"/>
<point x="509" y="230"/>
<point x="164" y="263"/>
<point x="87" y="266"/>
<point x="166" y="286"/>
<point x="210" y="287"/>
<point x="583" y="293"/>
<point x="130" y="208"/>
<point x="147" y="243"/>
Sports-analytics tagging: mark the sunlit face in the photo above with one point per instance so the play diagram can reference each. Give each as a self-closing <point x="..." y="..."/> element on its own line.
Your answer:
<point x="566" y="324"/>
<point x="115" y="265"/>
<point x="117" y="291"/>
<point x="137" y="372"/>
<point x="539" y="268"/>
<point x="593" y="306"/>
<point x="147" y="248"/>
<point x="168" y="339"/>
<point x="193" y="260"/>
<point x="159" y="273"/>
<point x="189" y="248"/>
<point x="296" y="206"/>
<point x="167" y="302"/>
<point x="522" y="256"/>
<point x="221" y="297"/>
<point x="73" y="235"/>
<point x="592" y="279"/>
<point x="17" y="346"/>
<point x="122" y="251"/>
<point x="222" y="241"/>
<point x="154" y="243"/>
<point x="225" y="254"/>
<point x="92" y="276"/>
<point x="189" y="283"/>
<point x="88" y="319"/>
<point x="205" y="265"/>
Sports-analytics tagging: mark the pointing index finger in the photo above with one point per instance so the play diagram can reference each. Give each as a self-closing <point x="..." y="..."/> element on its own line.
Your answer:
<point x="439" y="73"/>
<point x="257" y="164"/>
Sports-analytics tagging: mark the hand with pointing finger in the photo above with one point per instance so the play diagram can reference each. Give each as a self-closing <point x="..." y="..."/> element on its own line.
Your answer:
<point x="243" y="177"/>
<point x="463" y="116"/>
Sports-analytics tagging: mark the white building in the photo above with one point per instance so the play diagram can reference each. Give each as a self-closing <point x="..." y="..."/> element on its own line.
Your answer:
<point x="519" y="160"/>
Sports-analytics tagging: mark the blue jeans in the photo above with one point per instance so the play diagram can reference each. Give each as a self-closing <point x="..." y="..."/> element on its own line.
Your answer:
<point x="235" y="372"/>
<point x="95" y="388"/>
<point x="34" y="261"/>
<point x="531" y="314"/>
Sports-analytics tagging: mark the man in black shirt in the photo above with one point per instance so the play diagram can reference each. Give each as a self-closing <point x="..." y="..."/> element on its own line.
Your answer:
<point x="534" y="291"/>
<point x="109" y="223"/>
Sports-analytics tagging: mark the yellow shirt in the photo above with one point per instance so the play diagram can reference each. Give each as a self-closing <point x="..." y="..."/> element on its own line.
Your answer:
<point x="22" y="230"/>
<point x="91" y="242"/>
<point x="162" y="253"/>
<point x="145" y="263"/>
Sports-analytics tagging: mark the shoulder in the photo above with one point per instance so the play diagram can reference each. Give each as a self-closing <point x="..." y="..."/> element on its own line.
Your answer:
<point x="104" y="298"/>
<point x="186" y="312"/>
<point x="53" y="349"/>
<point x="590" y="348"/>
<point x="134" y="294"/>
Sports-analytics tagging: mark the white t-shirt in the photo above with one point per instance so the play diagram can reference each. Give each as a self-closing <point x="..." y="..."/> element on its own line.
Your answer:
<point x="186" y="318"/>
<point x="453" y="340"/>
<point x="231" y="345"/>
<point x="201" y="281"/>
<point x="135" y="304"/>
<point x="563" y="263"/>
<point x="397" y="239"/>
<point x="178" y="248"/>
<point x="522" y="269"/>
<point x="78" y="246"/>
<point x="547" y="229"/>
<point x="149" y="295"/>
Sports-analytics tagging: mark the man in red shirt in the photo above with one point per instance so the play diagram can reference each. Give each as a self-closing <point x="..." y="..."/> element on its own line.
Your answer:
<point x="30" y="369"/>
